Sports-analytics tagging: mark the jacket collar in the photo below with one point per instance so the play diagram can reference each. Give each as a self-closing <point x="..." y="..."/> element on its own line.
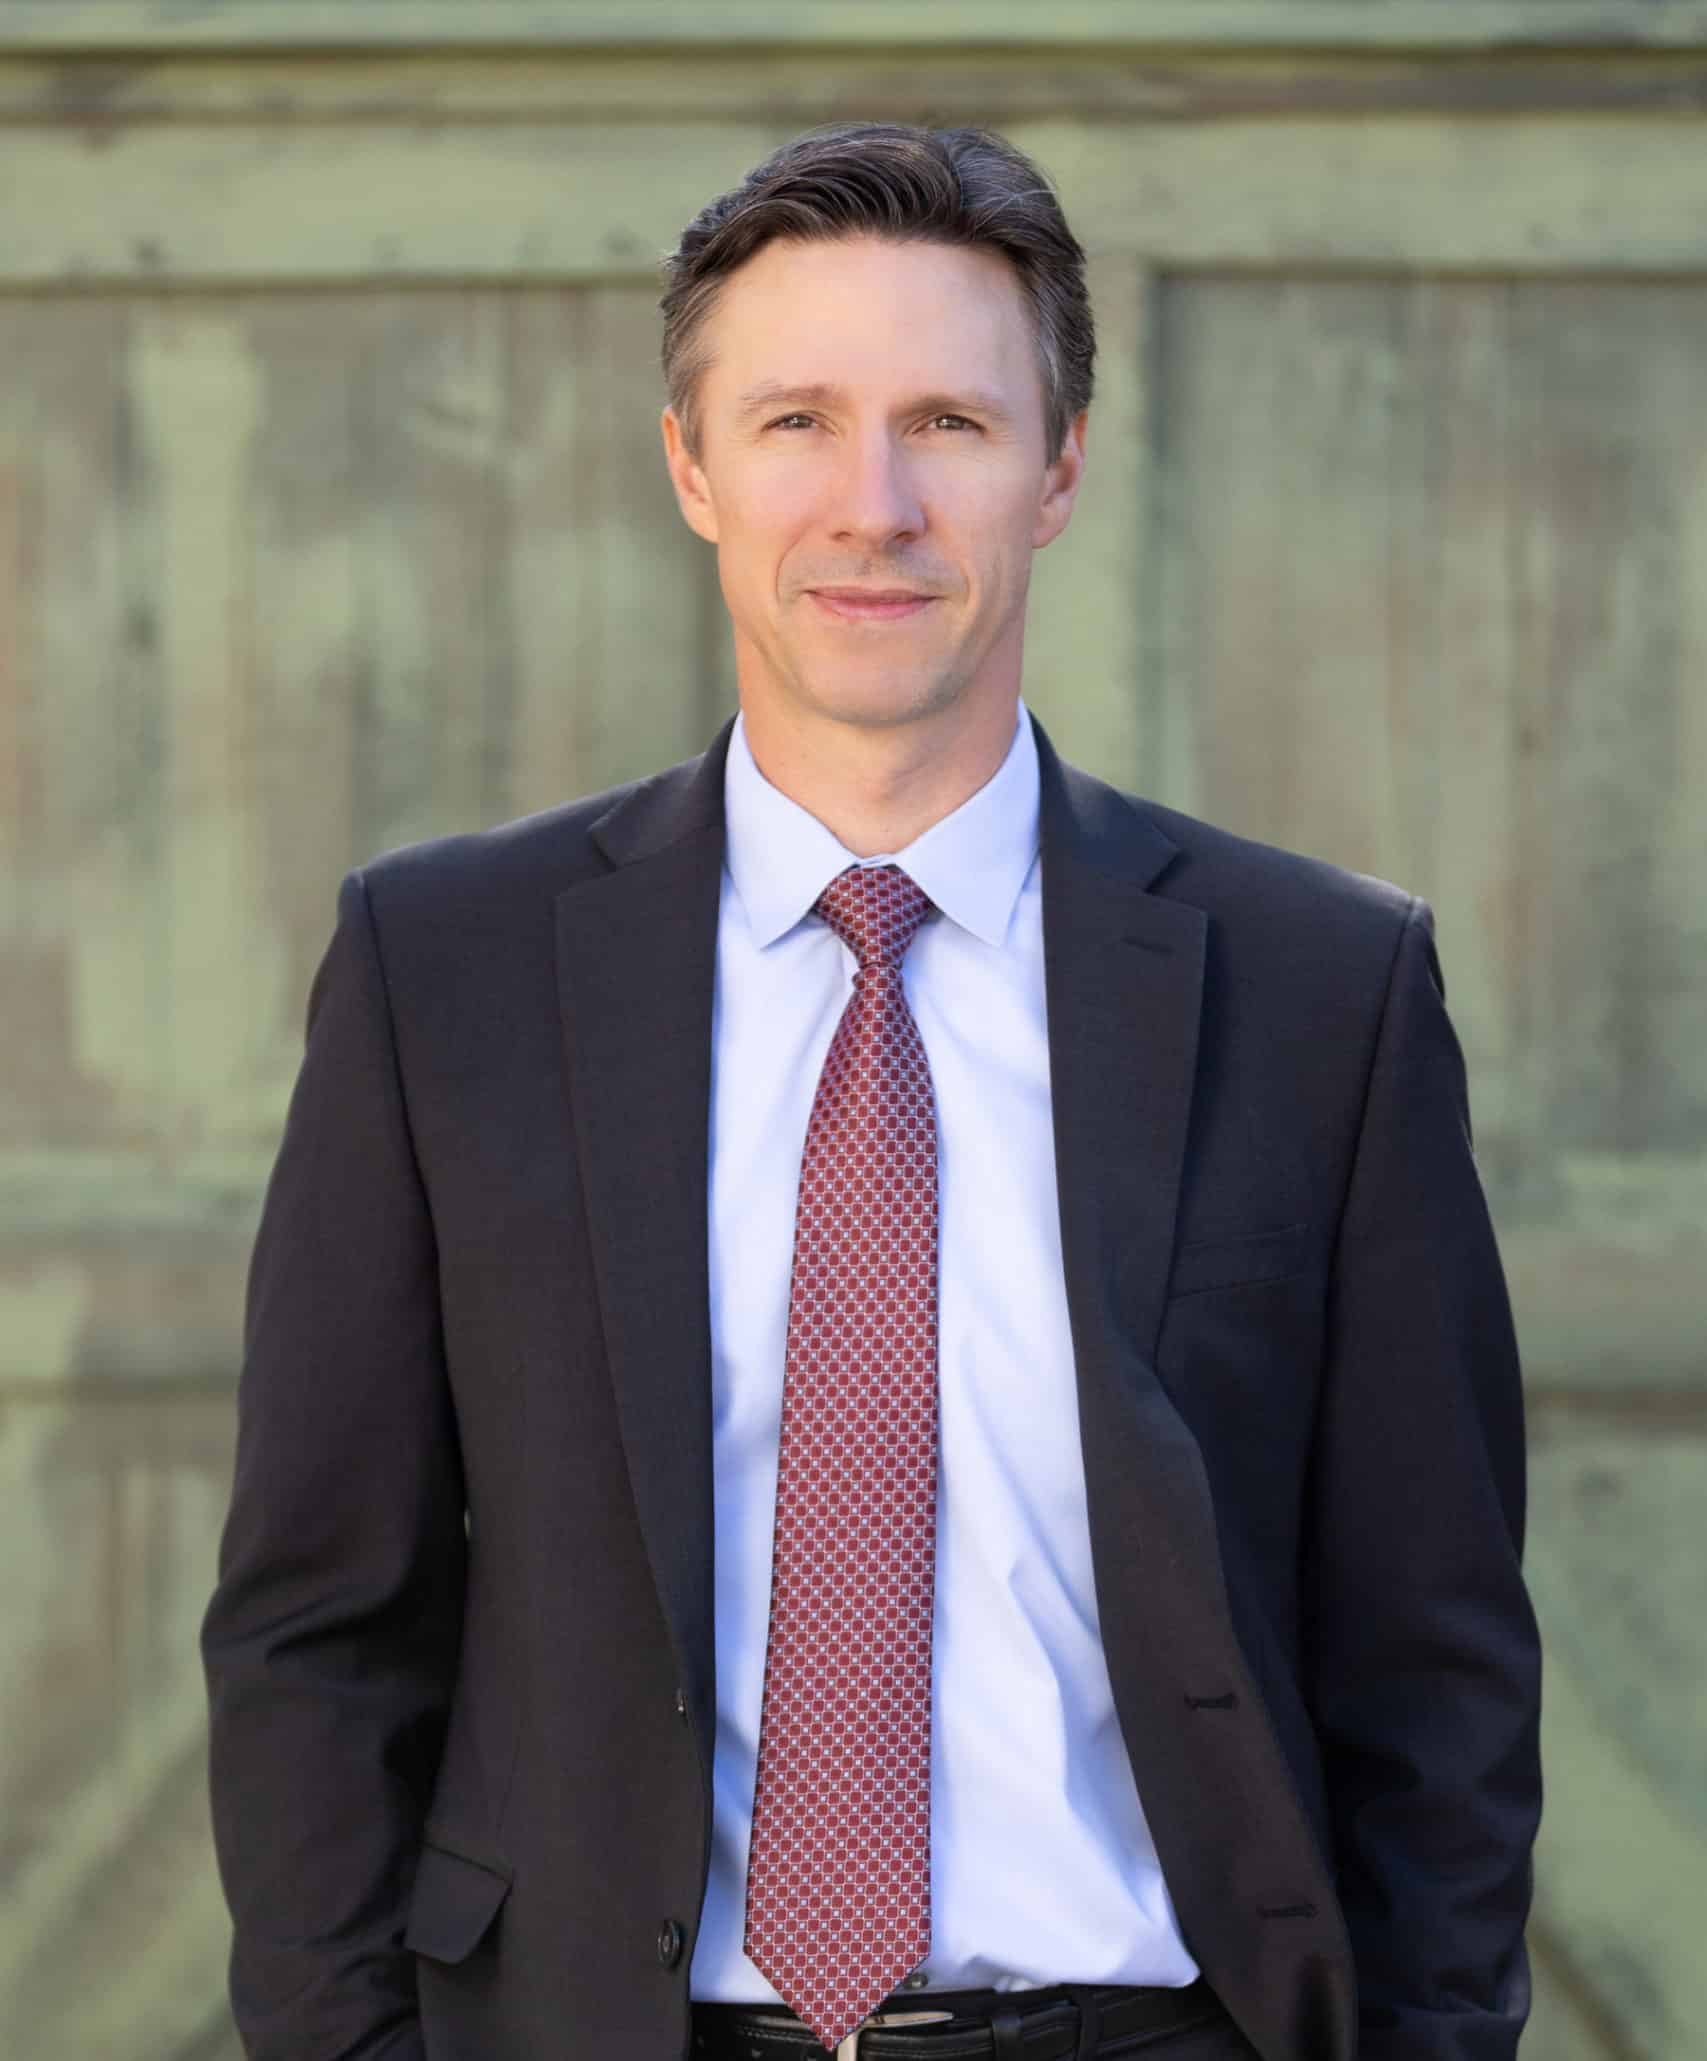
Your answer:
<point x="1080" y="816"/>
<point x="972" y="863"/>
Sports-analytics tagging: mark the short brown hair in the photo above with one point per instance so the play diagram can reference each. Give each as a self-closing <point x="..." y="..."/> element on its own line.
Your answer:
<point x="907" y="185"/>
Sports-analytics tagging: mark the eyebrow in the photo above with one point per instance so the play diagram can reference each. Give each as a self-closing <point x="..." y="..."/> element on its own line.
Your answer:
<point x="757" y="399"/>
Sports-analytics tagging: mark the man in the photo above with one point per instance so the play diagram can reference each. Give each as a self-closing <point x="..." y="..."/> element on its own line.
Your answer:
<point x="879" y="1414"/>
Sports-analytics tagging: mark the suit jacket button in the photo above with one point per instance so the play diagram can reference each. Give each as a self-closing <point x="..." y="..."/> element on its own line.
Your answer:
<point x="681" y="1704"/>
<point x="669" y="1942"/>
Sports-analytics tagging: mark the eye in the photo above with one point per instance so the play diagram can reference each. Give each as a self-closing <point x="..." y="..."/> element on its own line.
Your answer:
<point x="783" y="420"/>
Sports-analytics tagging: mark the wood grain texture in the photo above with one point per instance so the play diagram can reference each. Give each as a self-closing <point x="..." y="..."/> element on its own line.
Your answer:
<point x="843" y="25"/>
<point x="1617" y="1574"/>
<point x="299" y="578"/>
<point x="1084" y="670"/>
<point x="1433" y="615"/>
<point x="333" y="513"/>
<point x="114" y="1936"/>
<point x="99" y="91"/>
<point x="598" y="201"/>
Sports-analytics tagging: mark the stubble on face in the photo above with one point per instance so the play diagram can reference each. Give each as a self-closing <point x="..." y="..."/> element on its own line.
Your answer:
<point x="860" y="486"/>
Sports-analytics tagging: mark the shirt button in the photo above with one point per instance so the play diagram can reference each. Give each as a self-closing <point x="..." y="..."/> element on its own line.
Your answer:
<point x="917" y="1980"/>
<point x="681" y="1704"/>
<point x="669" y="1942"/>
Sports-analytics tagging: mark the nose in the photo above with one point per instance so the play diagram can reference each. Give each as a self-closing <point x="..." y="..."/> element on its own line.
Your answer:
<point x="875" y="495"/>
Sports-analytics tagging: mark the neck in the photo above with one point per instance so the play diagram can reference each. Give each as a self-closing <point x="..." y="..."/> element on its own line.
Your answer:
<point x="876" y="787"/>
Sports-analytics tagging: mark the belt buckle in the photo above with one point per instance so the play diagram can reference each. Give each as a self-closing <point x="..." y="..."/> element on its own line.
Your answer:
<point x="847" y="2049"/>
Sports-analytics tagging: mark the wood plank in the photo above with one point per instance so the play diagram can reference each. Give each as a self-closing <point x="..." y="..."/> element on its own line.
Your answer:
<point x="1609" y="468"/>
<point x="238" y="203"/>
<point x="310" y="494"/>
<point x="795" y="90"/>
<point x="1439" y="194"/>
<point x="79" y="719"/>
<point x="1324" y="702"/>
<point x="1669" y="337"/>
<point x="335" y="24"/>
<point x="196" y="395"/>
<point x="1464" y="755"/>
<point x="1084" y="670"/>
<point x="551" y="411"/>
<point x="1610" y="1253"/>
<point x="1226" y="365"/>
<point x="428" y="428"/>
<point x="19" y="780"/>
<point x="614" y="608"/>
<point x="110" y="1518"/>
<point x="602" y="201"/>
<point x="50" y="1194"/>
<point x="1606" y="1271"/>
<point x="1616" y="1575"/>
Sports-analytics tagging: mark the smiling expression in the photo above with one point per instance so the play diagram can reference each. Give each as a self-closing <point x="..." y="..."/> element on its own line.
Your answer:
<point x="873" y="473"/>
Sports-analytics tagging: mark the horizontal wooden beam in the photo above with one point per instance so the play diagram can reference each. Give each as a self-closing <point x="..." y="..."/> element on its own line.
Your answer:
<point x="165" y="25"/>
<point x="798" y="88"/>
<point x="300" y="204"/>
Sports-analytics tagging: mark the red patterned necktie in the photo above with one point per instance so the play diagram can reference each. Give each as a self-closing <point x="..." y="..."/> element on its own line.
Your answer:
<point x="838" y="1876"/>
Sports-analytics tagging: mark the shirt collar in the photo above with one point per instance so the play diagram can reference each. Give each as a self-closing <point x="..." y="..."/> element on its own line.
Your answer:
<point x="971" y="862"/>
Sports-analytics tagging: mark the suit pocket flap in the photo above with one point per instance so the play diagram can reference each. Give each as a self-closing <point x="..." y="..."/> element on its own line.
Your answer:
<point x="1237" y="1261"/>
<point x="453" y="1901"/>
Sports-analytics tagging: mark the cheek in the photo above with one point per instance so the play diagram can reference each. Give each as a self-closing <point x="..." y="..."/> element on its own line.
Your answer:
<point x="759" y="529"/>
<point x="994" y="521"/>
<point x="1003" y="566"/>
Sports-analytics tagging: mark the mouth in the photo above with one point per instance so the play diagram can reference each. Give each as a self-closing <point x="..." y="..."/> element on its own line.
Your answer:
<point x="870" y="608"/>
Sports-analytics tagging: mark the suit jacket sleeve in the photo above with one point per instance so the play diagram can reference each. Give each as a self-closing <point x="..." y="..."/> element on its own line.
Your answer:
<point x="1422" y="1650"/>
<point x="331" y="1639"/>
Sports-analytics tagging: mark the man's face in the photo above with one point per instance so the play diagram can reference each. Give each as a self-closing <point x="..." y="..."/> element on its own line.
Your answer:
<point x="874" y="419"/>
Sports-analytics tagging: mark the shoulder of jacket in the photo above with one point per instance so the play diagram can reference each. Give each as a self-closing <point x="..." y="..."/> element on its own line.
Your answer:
<point x="1241" y="880"/>
<point x="545" y="851"/>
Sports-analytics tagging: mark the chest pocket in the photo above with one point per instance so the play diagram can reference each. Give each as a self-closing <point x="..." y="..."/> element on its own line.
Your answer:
<point x="1239" y="1260"/>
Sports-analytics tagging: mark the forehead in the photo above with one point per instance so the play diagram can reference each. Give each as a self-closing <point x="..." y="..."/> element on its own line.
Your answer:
<point x="862" y="313"/>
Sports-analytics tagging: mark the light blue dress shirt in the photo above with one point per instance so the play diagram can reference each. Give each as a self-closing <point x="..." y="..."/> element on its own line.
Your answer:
<point x="1042" y="1865"/>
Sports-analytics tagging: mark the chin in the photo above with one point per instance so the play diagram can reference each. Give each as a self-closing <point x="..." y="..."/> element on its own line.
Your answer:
<point x="880" y="696"/>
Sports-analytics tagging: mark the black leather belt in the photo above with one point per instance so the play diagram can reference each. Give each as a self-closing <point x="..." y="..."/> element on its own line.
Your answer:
<point x="1013" y="2025"/>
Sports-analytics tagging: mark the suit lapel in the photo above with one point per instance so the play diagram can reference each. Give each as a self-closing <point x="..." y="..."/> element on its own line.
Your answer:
<point x="1123" y="981"/>
<point x="636" y="959"/>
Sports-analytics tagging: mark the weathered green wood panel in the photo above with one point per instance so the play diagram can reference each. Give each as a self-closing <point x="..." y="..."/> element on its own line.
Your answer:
<point x="841" y="24"/>
<point x="1434" y="613"/>
<point x="1084" y="652"/>
<point x="226" y="202"/>
<point x="1129" y="82"/>
<point x="297" y="578"/>
<point x="1618" y="1577"/>
<point x="114" y="1935"/>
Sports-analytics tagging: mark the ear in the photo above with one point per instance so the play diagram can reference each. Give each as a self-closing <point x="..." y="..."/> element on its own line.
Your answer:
<point x="1061" y="484"/>
<point x="693" y="493"/>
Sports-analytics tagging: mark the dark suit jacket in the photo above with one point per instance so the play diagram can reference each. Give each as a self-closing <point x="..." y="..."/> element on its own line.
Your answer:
<point x="460" y="1654"/>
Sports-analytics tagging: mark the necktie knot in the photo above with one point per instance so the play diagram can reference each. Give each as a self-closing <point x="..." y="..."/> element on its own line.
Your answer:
<point x="876" y="911"/>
